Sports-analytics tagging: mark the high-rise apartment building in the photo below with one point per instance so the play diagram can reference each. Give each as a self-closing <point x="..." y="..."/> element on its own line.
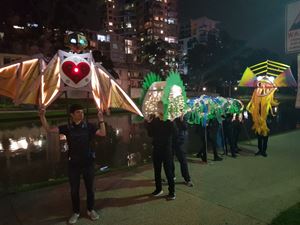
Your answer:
<point x="196" y="31"/>
<point x="157" y="19"/>
<point x="133" y="23"/>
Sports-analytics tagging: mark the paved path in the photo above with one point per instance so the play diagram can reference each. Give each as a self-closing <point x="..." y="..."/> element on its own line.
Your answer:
<point x="248" y="190"/>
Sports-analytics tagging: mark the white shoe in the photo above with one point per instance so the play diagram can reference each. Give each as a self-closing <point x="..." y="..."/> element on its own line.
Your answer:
<point x="189" y="183"/>
<point x="93" y="215"/>
<point x="157" y="193"/>
<point x="73" y="219"/>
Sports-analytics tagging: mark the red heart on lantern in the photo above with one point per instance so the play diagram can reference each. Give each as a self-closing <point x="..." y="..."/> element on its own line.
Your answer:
<point x="76" y="72"/>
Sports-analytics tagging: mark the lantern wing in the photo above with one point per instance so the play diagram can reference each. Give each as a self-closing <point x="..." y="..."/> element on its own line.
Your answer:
<point x="50" y="82"/>
<point x="280" y="73"/>
<point x="108" y="93"/>
<point x="21" y="81"/>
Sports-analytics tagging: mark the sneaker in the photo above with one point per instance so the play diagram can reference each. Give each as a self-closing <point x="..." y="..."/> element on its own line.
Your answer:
<point x="171" y="196"/>
<point x="264" y="154"/>
<point x="189" y="183"/>
<point x="93" y="214"/>
<point x="73" y="219"/>
<point x="157" y="193"/>
<point x="218" y="159"/>
<point x="258" y="153"/>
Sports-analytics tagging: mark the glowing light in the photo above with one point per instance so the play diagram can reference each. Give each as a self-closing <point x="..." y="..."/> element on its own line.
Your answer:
<point x="21" y="143"/>
<point x="204" y="89"/>
<point x="271" y="79"/>
<point x="18" y="27"/>
<point x="176" y="91"/>
<point x="73" y="41"/>
<point x="76" y="70"/>
<point x="246" y="114"/>
<point x="118" y="131"/>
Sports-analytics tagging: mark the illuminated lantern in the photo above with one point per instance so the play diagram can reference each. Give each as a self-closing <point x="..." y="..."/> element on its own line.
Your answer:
<point x="76" y="41"/>
<point x="266" y="77"/>
<point x="33" y="81"/>
<point x="171" y="92"/>
<point x="75" y="71"/>
<point x="205" y="108"/>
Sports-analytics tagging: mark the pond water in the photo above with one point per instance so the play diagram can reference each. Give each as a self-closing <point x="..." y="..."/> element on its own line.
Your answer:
<point x="27" y="156"/>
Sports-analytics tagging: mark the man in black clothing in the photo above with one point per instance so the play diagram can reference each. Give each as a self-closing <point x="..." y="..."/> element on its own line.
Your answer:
<point x="262" y="140"/>
<point x="161" y="133"/>
<point x="177" y="142"/>
<point x="79" y="135"/>
<point x="262" y="144"/>
<point x="232" y="129"/>
<point x="208" y="135"/>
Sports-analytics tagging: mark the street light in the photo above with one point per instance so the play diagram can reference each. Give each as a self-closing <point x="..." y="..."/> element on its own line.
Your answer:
<point x="204" y="89"/>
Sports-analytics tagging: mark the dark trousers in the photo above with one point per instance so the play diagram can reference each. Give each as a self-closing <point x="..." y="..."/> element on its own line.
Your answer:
<point x="236" y="130"/>
<point x="74" y="178"/>
<point x="262" y="142"/>
<point x="233" y="138"/>
<point x="181" y="156"/>
<point x="206" y="139"/>
<point x="166" y="159"/>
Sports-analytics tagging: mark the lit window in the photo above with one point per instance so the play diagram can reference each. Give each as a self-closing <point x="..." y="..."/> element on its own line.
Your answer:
<point x="103" y="38"/>
<point x="18" y="27"/>
<point x="171" y="21"/>
<point x="128" y="25"/>
<point x="156" y="18"/>
<point x="128" y="46"/>
<point x="171" y="39"/>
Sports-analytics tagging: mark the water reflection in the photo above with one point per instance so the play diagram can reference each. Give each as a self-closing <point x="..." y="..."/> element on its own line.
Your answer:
<point x="27" y="156"/>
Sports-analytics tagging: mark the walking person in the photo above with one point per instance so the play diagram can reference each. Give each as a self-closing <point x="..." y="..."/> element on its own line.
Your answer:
<point x="161" y="132"/>
<point x="208" y="135"/>
<point x="79" y="135"/>
<point x="262" y="139"/>
<point x="178" y="151"/>
<point x="237" y="122"/>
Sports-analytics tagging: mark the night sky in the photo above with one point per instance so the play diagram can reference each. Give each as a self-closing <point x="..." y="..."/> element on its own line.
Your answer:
<point x="259" y="22"/>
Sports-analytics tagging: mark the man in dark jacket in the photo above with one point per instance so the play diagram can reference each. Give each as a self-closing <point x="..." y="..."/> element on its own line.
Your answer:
<point x="208" y="135"/>
<point x="79" y="135"/>
<point x="177" y="146"/>
<point x="161" y="132"/>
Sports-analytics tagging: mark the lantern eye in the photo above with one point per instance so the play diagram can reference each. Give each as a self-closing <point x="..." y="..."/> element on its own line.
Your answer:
<point x="76" y="70"/>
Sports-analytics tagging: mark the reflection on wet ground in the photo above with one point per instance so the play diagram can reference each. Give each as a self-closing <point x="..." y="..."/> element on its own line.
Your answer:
<point x="27" y="156"/>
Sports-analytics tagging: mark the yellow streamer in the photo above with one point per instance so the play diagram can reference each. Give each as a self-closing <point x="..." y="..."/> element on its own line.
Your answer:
<point x="260" y="105"/>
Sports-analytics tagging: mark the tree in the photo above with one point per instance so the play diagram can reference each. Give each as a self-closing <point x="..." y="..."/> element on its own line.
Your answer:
<point x="222" y="60"/>
<point x="156" y="57"/>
